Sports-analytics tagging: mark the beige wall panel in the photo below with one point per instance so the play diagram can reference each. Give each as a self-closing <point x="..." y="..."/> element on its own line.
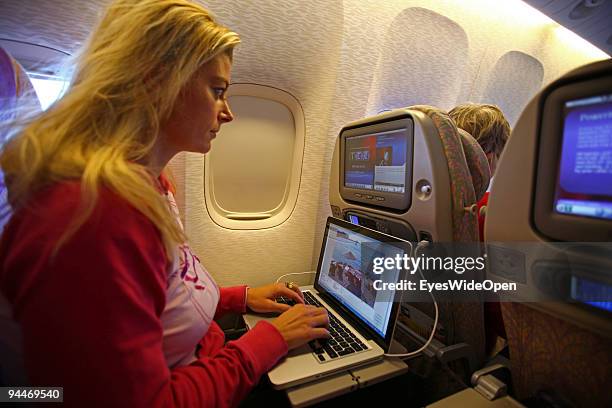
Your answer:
<point x="491" y="33"/>
<point x="329" y="55"/>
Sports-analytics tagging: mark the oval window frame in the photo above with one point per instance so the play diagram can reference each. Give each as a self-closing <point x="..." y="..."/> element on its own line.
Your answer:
<point x="281" y="213"/>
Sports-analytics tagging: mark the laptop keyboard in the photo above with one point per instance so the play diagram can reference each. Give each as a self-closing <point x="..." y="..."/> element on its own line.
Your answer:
<point x="342" y="342"/>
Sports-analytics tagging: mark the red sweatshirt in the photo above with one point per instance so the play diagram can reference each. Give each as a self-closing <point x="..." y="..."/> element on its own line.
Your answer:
<point x="90" y="316"/>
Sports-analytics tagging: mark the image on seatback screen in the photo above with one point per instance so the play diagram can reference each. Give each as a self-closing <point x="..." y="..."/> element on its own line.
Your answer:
<point x="584" y="183"/>
<point x="376" y="162"/>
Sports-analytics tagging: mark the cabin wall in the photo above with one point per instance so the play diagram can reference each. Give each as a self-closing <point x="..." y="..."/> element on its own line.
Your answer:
<point x="342" y="60"/>
<point x="357" y="59"/>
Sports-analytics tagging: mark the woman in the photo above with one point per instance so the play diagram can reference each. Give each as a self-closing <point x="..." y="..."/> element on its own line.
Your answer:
<point x="112" y="304"/>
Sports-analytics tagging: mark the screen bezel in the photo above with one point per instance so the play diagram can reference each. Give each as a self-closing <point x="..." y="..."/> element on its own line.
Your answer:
<point x="406" y="246"/>
<point x="396" y="201"/>
<point x="558" y="226"/>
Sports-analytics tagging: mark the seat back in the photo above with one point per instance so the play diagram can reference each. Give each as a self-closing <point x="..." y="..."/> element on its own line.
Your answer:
<point x="550" y="355"/>
<point x="449" y="173"/>
<point x="559" y="321"/>
<point x="469" y="178"/>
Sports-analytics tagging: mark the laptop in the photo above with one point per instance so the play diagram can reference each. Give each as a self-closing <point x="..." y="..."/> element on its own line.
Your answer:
<point x="362" y="319"/>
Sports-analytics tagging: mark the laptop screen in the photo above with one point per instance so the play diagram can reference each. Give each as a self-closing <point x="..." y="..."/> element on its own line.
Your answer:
<point x="345" y="273"/>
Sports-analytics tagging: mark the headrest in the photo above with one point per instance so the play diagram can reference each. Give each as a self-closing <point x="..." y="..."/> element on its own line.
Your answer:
<point x="16" y="91"/>
<point x="468" y="170"/>
<point x="477" y="163"/>
<point x="447" y="172"/>
<point x="8" y="85"/>
<point x="15" y="87"/>
<point x="555" y="167"/>
<point x="472" y="153"/>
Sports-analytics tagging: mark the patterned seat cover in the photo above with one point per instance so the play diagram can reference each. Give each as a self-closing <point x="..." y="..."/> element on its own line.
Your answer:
<point x="468" y="170"/>
<point x="469" y="179"/>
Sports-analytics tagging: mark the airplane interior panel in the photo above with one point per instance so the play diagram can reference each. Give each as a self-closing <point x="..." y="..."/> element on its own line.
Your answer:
<point x="472" y="140"/>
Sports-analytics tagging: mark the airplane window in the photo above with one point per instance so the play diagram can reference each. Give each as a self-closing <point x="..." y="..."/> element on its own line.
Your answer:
<point x="253" y="172"/>
<point x="445" y="54"/>
<point x="515" y="79"/>
<point x="48" y="89"/>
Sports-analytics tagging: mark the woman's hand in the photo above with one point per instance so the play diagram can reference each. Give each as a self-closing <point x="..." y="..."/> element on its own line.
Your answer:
<point x="301" y="324"/>
<point x="262" y="299"/>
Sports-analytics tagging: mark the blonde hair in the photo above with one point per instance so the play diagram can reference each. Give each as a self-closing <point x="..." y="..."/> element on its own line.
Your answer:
<point x="126" y="83"/>
<point x="486" y="123"/>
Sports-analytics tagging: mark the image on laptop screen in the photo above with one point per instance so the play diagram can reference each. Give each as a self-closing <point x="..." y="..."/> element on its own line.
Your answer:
<point x="346" y="274"/>
<point x="584" y="184"/>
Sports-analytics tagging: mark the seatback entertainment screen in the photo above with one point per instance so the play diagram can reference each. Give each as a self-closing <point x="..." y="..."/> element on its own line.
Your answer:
<point x="376" y="162"/>
<point x="584" y="183"/>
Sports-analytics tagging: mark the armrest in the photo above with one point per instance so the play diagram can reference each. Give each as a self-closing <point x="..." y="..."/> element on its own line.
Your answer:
<point x="486" y="381"/>
<point x="457" y="352"/>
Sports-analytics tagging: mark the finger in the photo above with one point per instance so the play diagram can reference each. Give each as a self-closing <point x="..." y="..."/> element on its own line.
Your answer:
<point x="295" y="294"/>
<point x="317" y="311"/>
<point x="319" y="333"/>
<point x="298" y="292"/>
<point x="310" y="310"/>
<point x="319" y="321"/>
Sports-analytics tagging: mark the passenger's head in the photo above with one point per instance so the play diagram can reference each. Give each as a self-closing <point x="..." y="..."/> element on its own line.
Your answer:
<point x="487" y="124"/>
<point x="130" y="82"/>
<point x="149" y="56"/>
<point x="199" y="111"/>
